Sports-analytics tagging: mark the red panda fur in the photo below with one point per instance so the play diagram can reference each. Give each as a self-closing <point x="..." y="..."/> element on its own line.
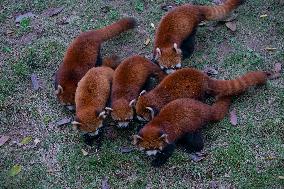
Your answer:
<point x="128" y="81"/>
<point x="91" y="97"/>
<point x="192" y="83"/>
<point x="178" y="25"/>
<point x="177" y="118"/>
<point x="83" y="54"/>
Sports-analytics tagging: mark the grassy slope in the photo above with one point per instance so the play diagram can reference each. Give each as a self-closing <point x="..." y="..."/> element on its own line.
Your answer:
<point x="248" y="156"/>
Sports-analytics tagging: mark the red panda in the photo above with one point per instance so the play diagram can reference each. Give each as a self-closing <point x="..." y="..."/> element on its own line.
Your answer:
<point x="174" y="38"/>
<point x="91" y="97"/>
<point x="191" y="83"/>
<point x="83" y="54"/>
<point x="128" y="80"/>
<point x="177" y="120"/>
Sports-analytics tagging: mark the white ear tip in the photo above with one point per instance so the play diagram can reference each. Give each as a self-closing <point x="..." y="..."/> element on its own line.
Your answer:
<point x="142" y="92"/>
<point x="132" y="102"/>
<point x="108" y="108"/>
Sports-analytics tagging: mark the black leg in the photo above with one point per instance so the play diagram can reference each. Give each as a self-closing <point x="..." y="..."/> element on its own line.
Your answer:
<point x="89" y="140"/>
<point x="187" y="45"/>
<point x="99" y="61"/>
<point x="163" y="156"/>
<point x="193" y="142"/>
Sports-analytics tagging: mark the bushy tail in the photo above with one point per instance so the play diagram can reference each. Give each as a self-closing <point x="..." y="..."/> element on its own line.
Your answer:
<point x="111" y="61"/>
<point x="220" y="108"/>
<point x="219" y="11"/>
<point x="116" y="28"/>
<point x="239" y="85"/>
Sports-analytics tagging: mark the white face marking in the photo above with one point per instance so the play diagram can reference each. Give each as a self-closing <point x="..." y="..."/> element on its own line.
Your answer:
<point x="178" y="65"/>
<point x="169" y="71"/>
<point x="151" y="152"/>
<point x="141" y="148"/>
<point x="162" y="67"/>
<point x="94" y="133"/>
<point x="123" y="124"/>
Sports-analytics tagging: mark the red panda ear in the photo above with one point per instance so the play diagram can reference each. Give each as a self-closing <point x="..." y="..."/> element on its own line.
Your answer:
<point x="101" y="115"/>
<point x="136" y="138"/>
<point x="151" y="111"/>
<point x="165" y="138"/>
<point x="108" y="110"/>
<point x="59" y="90"/>
<point x="142" y="92"/>
<point x="132" y="103"/>
<point x="158" y="53"/>
<point x="178" y="50"/>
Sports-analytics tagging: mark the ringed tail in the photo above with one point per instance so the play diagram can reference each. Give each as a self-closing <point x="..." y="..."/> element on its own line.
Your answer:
<point x="111" y="61"/>
<point x="218" y="12"/>
<point x="116" y="28"/>
<point x="238" y="85"/>
<point x="221" y="107"/>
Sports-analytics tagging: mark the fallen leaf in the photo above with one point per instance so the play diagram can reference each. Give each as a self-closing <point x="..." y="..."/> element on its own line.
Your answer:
<point x="16" y="169"/>
<point x="85" y="153"/>
<point x="167" y="7"/>
<point x="24" y="16"/>
<point x="277" y="67"/>
<point x="229" y="18"/>
<point x="63" y="122"/>
<point x="281" y="177"/>
<point x="36" y="141"/>
<point x="233" y="117"/>
<point x="147" y="41"/>
<point x="210" y="71"/>
<point x="231" y="25"/>
<point x="152" y="25"/>
<point x="196" y="157"/>
<point x="35" y="82"/>
<point x="55" y="11"/>
<point x="270" y="49"/>
<point x="263" y="16"/>
<point x="105" y="184"/>
<point x="126" y="150"/>
<point x="3" y="140"/>
<point x="26" y="140"/>
<point x="9" y="32"/>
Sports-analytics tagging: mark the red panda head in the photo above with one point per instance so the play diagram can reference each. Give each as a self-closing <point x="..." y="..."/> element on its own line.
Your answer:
<point x="122" y="112"/>
<point x="169" y="58"/>
<point x="65" y="94"/>
<point x="151" y="139"/>
<point x="89" y="121"/>
<point x="143" y="110"/>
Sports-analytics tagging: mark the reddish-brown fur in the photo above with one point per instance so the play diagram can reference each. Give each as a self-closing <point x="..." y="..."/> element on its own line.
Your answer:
<point x="179" y="24"/>
<point x="128" y="81"/>
<point x="177" y="118"/>
<point x="91" y="97"/>
<point x="191" y="83"/>
<point x="83" y="54"/>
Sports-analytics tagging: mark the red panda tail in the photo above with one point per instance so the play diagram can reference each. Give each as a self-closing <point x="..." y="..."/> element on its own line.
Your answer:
<point x="220" y="108"/>
<point x="219" y="11"/>
<point x="116" y="28"/>
<point x="239" y="85"/>
<point x="111" y="61"/>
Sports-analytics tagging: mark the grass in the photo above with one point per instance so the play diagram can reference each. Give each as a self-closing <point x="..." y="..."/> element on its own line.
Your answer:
<point x="250" y="155"/>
